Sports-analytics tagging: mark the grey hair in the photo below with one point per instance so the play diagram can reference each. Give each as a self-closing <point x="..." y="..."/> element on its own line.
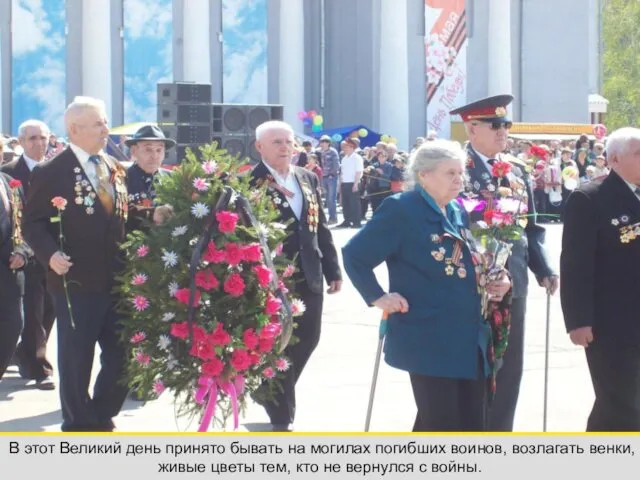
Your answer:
<point x="272" y="125"/>
<point x="79" y="106"/>
<point x="619" y="140"/>
<point x="22" y="129"/>
<point x="429" y="155"/>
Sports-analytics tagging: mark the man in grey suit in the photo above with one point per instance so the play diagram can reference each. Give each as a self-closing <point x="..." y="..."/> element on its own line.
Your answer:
<point x="487" y="126"/>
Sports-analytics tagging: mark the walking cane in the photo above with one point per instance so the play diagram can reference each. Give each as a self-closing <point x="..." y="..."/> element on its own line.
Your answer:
<point x="382" y="330"/>
<point x="546" y="366"/>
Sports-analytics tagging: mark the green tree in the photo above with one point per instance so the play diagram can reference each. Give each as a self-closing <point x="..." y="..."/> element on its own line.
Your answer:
<point x="621" y="82"/>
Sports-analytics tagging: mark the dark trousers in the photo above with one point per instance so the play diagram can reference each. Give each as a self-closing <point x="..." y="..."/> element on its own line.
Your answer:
<point x="503" y="408"/>
<point x="449" y="404"/>
<point x="615" y="374"/>
<point x="39" y="316"/>
<point x="350" y="204"/>
<point x="540" y="199"/>
<point x="10" y="326"/>
<point x="282" y="408"/>
<point x="96" y="322"/>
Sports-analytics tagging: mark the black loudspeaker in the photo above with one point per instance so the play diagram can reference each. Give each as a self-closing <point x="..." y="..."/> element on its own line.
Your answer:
<point x="186" y="134"/>
<point x="184" y="93"/>
<point x="189" y="113"/>
<point x="178" y="153"/>
<point x="243" y="119"/>
<point x="244" y="146"/>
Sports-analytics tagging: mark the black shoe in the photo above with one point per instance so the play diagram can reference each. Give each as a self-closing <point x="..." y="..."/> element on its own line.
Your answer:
<point x="282" y="427"/>
<point x="343" y="225"/>
<point x="45" y="383"/>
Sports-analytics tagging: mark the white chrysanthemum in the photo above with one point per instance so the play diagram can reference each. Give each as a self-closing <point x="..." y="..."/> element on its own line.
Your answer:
<point x="170" y="259"/>
<point x="172" y="363"/>
<point x="199" y="210"/>
<point x="164" y="342"/>
<point x="297" y="307"/>
<point x="278" y="226"/>
<point x="167" y="317"/>
<point x="178" y="231"/>
<point x="262" y="229"/>
<point x="173" y="288"/>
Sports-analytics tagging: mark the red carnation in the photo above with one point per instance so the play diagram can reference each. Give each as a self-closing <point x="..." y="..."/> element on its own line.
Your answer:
<point x="206" y="280"/>
<point x="180" y="330"/>
<point x="202" y="350"/>
<point x="233" y="253"/>
<point x="183" y="295"/>
<point x="240" y="360"/>
<point x="15" y="183"/>
<point x="227" y="221"/>
<point x="263" y="274"/>
<point x="213" y="367"/>
<point x="265" y="345"/>
<point x="252" y="253"/>
<point x="213" y="255"/>
<point x="250" y="339"/>
<point x="500" y="169"/>
<point x="234" y="285"/>
<point x="219" y="336"/>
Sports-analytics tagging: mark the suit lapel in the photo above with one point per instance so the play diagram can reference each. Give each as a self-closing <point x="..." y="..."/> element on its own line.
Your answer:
<point x="262" y="177"/>
<point x="305" y="189"/>
<point x="628" y="200"/>
<point x="479" y="176"/>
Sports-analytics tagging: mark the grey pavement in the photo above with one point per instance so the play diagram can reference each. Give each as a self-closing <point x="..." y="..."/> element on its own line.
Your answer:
<point x="333" y="392"/>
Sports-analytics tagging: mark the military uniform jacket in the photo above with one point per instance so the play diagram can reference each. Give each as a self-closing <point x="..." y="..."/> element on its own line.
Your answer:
<point x="11" y="283"/>
<point x="142" y="195"/>
<point x="528" y="251"/>
<point x="91" y="235"/>
<point x="599" y="264"/>
<point x="309" y="238"/>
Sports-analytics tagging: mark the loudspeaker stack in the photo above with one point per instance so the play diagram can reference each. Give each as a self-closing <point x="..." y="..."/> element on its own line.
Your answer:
<point x="186" y="115"/>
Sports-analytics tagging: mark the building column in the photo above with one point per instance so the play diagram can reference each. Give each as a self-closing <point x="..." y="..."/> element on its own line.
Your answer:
<point x="394" y="72"/>
<point x="499" y="48"/>
<point x="291" y="64"/>
<point x="196" y="15"/>
<point x="96" y="51"/>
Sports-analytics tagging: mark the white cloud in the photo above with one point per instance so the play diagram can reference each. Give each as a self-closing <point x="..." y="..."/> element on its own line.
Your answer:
<point x="256" y="91"/>
<point x="238" y="68"/>
<point x="147" y="18"/>
<point x="46" y="85"/>
<point x="231" y="12"/>
<point x="32" y="29"/>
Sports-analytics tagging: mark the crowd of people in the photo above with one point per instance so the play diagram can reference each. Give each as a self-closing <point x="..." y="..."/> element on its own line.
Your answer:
<point x="455" y="323"/>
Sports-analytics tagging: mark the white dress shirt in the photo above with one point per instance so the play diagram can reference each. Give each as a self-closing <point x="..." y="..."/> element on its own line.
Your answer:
<point x="484" y="159"/>
<point x="350" y="167"/>
<point x="633" y="187"/>
<point x="31" y="163"/>
<point x="290" y="183"/>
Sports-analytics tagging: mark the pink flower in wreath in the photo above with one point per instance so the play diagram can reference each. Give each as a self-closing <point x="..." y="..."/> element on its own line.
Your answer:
<point x="206" y="280"/>
<point x="282" y="364"/>
<point x="59" y="202"/>
<point x="202" y="350"/>
<point x="278" y="250"/>
<point x="140" y="303"/>
<point x="265" y="345"/>
<point x="200" y="184"/>
<point x="183" y="294"/>
<point x="219" y="336"/>
<point x="271" y="330"/>
<point x="233" y="253"/>
<point x="142" y="358"/>
<point x="179" y="330"/>
<point x="268" y="373"/>
<point x="272" y="305"/>
<point x="227" y="221"/>
<point x="289" y="271"/>
<point x="263" y="274"/>
<point x="252" y="253"/>
<point x="158" y="387"/>
<point x="142" y="251"/>
<point x="139" y="279"/>
<point x="138" y="337"/>
<point x="250" y="339"/>
<point x="255" y="358"/>
<point x="213" y="255"/>
<point x="282" y="287"/>
<point x="234" y="285"/>
<point x="240" y="360"/>
<point x="213" y="367"/>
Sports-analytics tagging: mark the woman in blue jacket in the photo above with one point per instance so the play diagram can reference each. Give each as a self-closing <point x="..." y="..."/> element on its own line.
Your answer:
<point x="435" y="329"/>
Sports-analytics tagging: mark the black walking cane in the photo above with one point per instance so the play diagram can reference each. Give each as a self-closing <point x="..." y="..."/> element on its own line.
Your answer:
<point x="546" y="364"/>
<point x="382" y="330"/>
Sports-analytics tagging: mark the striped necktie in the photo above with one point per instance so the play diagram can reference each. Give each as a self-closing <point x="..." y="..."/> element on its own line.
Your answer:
<point x="104" y="187"/>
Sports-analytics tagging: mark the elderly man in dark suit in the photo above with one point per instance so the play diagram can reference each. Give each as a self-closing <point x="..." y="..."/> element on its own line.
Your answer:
<point x="601" y="283"/>
<point x="295" y="192"/>
<point x="37" y="302"/>
<point x="13" y="256"/>
<point x="93" y="185"/>
<point x="487" y="126"/>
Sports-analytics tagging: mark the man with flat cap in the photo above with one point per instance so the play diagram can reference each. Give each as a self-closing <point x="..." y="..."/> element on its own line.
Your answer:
<point x="147" y="148"/>
<point x="487" y="126"/>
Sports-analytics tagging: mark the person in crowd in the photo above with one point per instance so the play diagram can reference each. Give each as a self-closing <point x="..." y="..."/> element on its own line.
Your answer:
<point x="582" y="163"/>
<point x="311" y="164"/>
<point x="330" y="162"/>
<point x="295" y="192"/>
<point x="380" y="175"/>
<point x="37" y="303"/>
<point x="600" y="283"/>
<point x="487" y="127"/>
<point x="13" y="256"/>
<point x="86" y="189"/>
<point x="600" y="168"/>
<point x="350" y="174"/>
<point x="435" y="331"/>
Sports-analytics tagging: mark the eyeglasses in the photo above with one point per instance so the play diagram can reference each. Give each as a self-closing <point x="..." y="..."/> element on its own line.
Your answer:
<point x="497" y="125"/>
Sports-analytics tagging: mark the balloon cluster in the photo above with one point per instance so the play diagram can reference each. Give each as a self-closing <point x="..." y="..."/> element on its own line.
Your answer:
<point x="311" y="119"/>
<point x="600" y="131"/>
<point x="388" y="139"/>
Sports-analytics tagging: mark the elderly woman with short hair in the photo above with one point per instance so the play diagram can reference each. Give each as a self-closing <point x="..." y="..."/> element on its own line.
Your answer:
<point x="435" y="330"/>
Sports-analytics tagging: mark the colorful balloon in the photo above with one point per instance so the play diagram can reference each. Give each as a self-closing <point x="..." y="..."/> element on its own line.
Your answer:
<point x="336" y="137"/>
<point x="302" y="115"/>
<point x="311" y="113"/>
<point x="317" y="120"/>
<point x="316" y="128"/>
<point x="363" y="132"/>
<point x="393" y="140"/>
<point x="384" y="138"/>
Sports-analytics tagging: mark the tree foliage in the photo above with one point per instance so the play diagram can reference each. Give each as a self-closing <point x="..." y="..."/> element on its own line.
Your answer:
<point x="621" y="62"/>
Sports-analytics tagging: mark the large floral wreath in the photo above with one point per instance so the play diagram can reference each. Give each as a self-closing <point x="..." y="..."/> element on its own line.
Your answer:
<point x="206" y="311"/>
